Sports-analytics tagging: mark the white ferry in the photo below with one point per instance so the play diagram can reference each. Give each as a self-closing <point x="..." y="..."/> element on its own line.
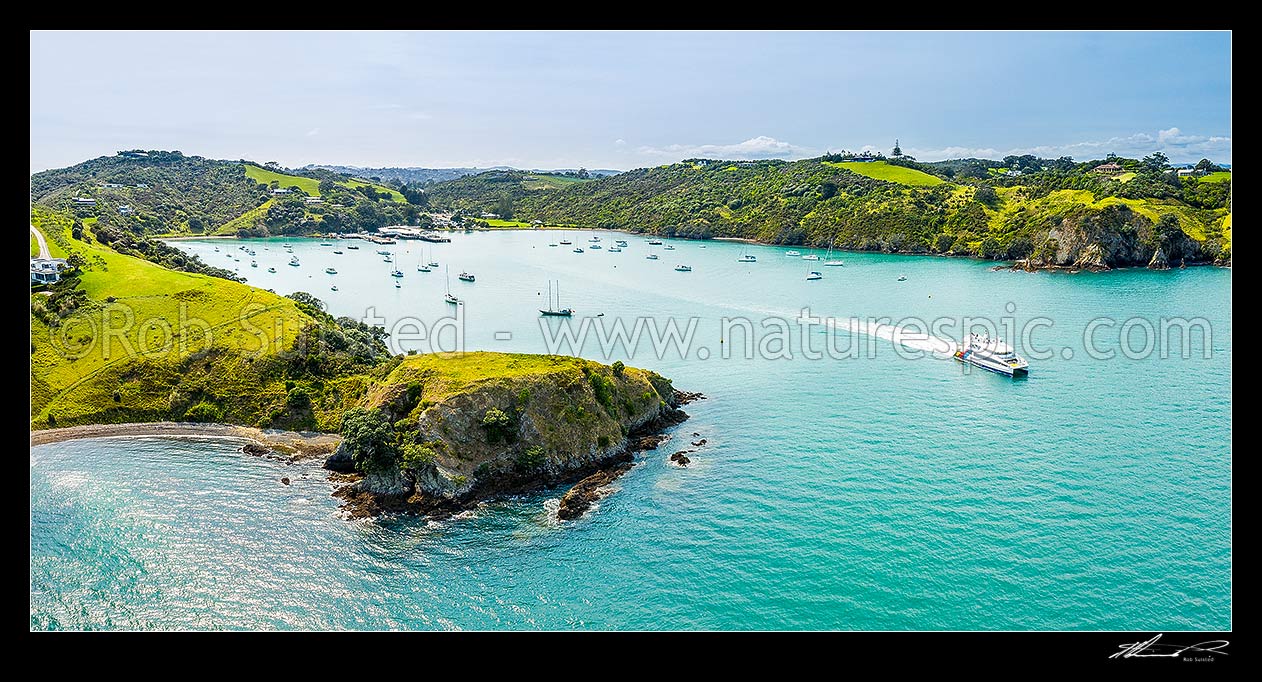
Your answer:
<point x="993" y="355"/>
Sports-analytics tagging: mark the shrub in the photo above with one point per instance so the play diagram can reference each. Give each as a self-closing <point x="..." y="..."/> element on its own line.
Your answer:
<point x="603" y="387"/>
<point x="618" y="368"/>
<point x="203" y="412"/>
<point x="530" y="460"/>
<point x="416" y="456"/>
<point x="602" y="441"/>
<point x="498" y="425"/>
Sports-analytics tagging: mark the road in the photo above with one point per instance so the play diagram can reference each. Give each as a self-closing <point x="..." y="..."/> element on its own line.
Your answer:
<point x="43" y="245"/>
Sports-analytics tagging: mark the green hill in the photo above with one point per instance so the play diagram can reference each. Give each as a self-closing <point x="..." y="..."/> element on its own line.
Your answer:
<point x="880" y="170"/>
<point x="894" y="206"/>
<point x="166" y="193"/>
<point x="124" y="339"/>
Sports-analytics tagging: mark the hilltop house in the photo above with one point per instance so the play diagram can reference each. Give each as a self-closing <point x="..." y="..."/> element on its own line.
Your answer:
<point x="112" y="184"/>
<point x="1109" y="169"/>
<point x="46" y="270"/>
<point x="281" y="190"/>
<point x="141" y="185"/>
<point x="84" y="201"/>
<point x="492" y="216"/>
<point x="313" y="200"/>
<point x="124" y="209"/>
<point x="1187" y="172"/>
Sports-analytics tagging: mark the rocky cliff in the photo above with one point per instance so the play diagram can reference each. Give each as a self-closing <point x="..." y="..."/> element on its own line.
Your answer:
<point x="441" y="432"/>
<point x="1114" y="237"/>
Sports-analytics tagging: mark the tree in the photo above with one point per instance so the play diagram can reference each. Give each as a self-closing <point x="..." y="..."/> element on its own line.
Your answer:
<point x="326" y="186"/>
<point x="897" y="151"/>
<point x="76" y="261"/>
<point x="504" y="207"/>
<point x="583" y="174"/>
<point x="1205" y="166"/>
<point x="1156" y="162"/>
<point x="986" y="195"/>
<point x="369" y="436"/>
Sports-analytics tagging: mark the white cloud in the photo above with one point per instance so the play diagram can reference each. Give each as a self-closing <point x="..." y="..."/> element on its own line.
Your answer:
<point x="313" y="132"/>
<point x="761" y="147"/>
<point x="620" y="142"/>
<point x="1180" y="147"/>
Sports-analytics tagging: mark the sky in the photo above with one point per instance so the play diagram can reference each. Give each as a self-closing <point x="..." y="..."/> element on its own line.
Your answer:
<point x="625" y="100"/>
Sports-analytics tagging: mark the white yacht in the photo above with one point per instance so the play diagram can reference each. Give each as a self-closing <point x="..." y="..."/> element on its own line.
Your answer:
<point x="993" y="355"/>
<point x="655" y="242"/>
<point x="683" y="268"/>
<point x="813" y="275"/>
<point x="810" y="256"/>
<point x="594" y="247"/>
<point x="792" y="253"/>
<point x="614" y="249"/>
<point x="294" y="261"/>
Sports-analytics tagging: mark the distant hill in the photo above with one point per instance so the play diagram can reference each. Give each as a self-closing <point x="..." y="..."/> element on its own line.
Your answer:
<point x="1059" y="213"/>
<point x="150" y="192"/>
<point x="423" y="176"/>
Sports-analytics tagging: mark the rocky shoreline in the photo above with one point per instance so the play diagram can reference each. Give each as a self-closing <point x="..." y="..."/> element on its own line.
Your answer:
<point x="590" y="481"/>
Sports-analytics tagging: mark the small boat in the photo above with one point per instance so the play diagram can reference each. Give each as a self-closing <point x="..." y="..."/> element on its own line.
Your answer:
<point x="552" y="244"/>
<point x="792" y="253"/>
<point x="448" y="297"/>
<point x="326" y="244"/>
<point x="655" y="242"/>
<point x="747" y="258"/>
<point x="902" y="278"/>
<point x="333" y="288"/>
<point x="216" y="248"/>
<point x="614" y="249"/>
<point x="557" y="311"/>
<point x="578" y="250"/>
<point x="254" y="264"/>
<point x="432" y="264"/>
<point x="831" y="262"/>
<point x="810" y="256"/>
<point x="353" y="247"/>
<point x="621" y="242"/>
<point x="397" y="284"/>
<point x="331" y="271"/>
<point x="993" y="355"/>
<point x="396" y="273"/>
<point x="271" y="269"/>
<point x="683" y="268"/>
<point x="651" y="256"/>
<point x="338" y="252"/>
<point x="422" y="268"/>
<point x="594" y="239"/>
<point x="566" y="242"/>
<point x="294" y="261"/>
<point x="814" y="274"/>
<point x="670" y="247"/>
<point x="383" y="253"/>
<point x="594" y="247"/>
<point x="466" y="277"/>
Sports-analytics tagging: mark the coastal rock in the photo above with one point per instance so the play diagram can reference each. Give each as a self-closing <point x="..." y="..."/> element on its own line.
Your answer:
<point x="681" y="458"/>
<point x="285" y="480"/>
<point x="684" y="397"/>
<point x="586" y="492"/>
<point x="1159" y="260"/>
<point x="698" y="443"/>
<point x="340" y="461"/>
<point x="464" y="432"/>
<point x="255" y="449"/>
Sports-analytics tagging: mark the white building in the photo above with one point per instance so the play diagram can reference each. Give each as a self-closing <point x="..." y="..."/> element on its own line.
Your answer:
<point x="313" y="200"/>
<point x="46" y="270"/>
<point x="84" y="201"/>
<point x="124" y="209"/>
<point x="280" y="190"/>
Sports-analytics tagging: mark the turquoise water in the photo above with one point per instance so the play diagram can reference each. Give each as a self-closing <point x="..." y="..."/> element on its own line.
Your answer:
<point x="872" y="492"/>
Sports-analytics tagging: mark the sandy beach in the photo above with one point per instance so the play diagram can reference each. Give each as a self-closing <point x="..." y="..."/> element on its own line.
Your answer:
<point x="299" y="444"/>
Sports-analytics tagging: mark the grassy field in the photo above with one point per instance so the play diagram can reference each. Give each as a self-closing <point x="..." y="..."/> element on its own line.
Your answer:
<point x="245" y="219"/>
<point x="495" y="222"/>
<point x="309" y="185"/>
<point x="34" y="246"/>
<point x="1062" y="201"/>
<point x="880" y="170"/>
<point x="549" y="181"/>
<point x="1220" y="176"/>
<point x="1125" y="177"/>
<point x="149" y="338"/>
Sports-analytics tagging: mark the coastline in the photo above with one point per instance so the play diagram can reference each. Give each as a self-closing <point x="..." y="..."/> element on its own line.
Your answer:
<point x="296" y="444"/>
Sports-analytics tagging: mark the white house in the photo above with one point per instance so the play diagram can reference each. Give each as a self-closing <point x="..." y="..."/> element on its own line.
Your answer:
<point x="84" y="201"/>
<point x="1187" y="172"/>
<point x="46" y="270"/>
<point x="313" y="200"/>
<point x="112" y="184"/>
<point x="492" y="216"/>
<point x="124" y="209"/>
<point x="141" y="185"/>
<point x="281" y="190"/>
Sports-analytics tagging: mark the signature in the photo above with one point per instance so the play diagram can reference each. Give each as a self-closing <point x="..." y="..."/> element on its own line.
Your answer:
<point x="1154" y="649"/>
